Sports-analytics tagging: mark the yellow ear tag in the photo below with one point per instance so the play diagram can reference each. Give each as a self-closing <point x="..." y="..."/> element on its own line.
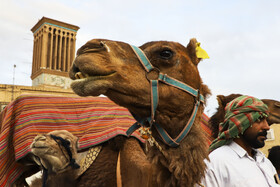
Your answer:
<point x="200" y="53"/>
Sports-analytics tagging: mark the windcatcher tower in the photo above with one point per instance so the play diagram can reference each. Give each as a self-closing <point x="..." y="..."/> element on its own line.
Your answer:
<point x="53" y="52"/>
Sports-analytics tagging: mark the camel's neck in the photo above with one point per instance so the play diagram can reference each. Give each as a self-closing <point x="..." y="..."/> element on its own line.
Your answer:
<point x="175" y="122"/>
<point x="171" y="163"/>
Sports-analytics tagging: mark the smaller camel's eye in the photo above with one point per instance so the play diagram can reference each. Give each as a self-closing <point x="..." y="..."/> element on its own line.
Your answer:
<point x="166" y="54"/>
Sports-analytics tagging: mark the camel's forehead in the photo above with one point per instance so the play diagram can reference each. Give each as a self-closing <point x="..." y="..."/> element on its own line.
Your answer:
<point x="105" y="41"/>
<point x="149" y="44"/>
<point x="162" y="44"/>
<point x="63" y="134"/>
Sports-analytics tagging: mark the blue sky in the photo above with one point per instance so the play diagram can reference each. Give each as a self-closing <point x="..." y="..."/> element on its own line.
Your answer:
<point x="241" y="37"/>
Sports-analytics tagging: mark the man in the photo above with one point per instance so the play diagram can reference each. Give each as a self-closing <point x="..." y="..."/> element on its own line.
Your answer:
<point x="234" y="158"/>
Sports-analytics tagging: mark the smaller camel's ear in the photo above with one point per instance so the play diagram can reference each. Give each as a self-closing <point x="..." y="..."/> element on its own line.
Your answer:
<point x="221" y="101"/>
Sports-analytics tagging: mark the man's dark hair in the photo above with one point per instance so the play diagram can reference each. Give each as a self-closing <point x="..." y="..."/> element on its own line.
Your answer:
<point x="274" y="156"/>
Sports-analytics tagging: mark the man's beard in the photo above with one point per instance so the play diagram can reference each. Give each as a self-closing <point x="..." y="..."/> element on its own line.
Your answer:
<point x="254" y="142"/>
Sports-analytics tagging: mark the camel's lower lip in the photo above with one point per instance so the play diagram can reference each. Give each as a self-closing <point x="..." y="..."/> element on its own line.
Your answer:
<point x="39" y="147"/>
<point x="82" y="77"/>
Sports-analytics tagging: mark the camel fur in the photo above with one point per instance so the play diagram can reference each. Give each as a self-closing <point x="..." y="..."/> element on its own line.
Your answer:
<point x="112" y="68"/>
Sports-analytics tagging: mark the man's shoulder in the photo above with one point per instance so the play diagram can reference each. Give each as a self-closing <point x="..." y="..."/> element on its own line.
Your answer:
<point x="223" y="151"/>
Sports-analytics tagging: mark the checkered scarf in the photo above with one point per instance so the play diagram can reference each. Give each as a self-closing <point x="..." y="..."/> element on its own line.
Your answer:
<point x="241" y="113"/>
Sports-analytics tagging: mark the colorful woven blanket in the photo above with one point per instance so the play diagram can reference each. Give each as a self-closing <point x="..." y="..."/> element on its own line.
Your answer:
<point x="92" y="119"/>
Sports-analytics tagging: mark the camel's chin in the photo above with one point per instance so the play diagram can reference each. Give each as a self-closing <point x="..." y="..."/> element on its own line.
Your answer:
<point x="90" y="86"/>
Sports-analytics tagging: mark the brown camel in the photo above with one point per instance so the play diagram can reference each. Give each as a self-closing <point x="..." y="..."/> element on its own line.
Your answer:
<point x="113" y="68"/>
<point x="218" y="117"/>
<point x="51" y="153"/>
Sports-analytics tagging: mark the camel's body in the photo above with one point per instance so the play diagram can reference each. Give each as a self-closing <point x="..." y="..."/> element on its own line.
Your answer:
<point x="112" y="68"/>
<point x="218" y="117"/>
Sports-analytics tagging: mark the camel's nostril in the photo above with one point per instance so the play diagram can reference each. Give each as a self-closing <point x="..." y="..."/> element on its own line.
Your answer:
<point x="75" y="69"/>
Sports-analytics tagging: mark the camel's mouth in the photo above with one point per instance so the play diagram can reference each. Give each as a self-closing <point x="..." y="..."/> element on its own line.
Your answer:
<point x="82" y="77"/>
<point x="38" y="145"/>
<point x="94" y="74"/>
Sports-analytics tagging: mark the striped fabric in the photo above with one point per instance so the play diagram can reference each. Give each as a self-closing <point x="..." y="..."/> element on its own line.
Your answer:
<point x="92" y="119"/>
<point x="240" y="114"/>
<point x="206" y="129"/>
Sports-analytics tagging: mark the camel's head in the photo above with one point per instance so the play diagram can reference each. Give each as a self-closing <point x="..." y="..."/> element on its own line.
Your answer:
<point x="274" y="111"/>
<point x="51" y="150"/>
<point x="218" y="117"/>
<point x="113" y="69"/>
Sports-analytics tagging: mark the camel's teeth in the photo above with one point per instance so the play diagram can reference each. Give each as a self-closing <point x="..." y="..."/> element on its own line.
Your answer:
<point x="79" y="75"/>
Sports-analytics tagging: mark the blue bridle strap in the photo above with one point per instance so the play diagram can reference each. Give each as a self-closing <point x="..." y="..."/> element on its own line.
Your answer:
<point x="142" y="57"/>
<point x="180" y="85"/>
<point x="154" y="102"/>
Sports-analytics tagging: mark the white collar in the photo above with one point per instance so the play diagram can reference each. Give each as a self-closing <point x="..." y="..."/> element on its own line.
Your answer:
<point x="259" y="156"/>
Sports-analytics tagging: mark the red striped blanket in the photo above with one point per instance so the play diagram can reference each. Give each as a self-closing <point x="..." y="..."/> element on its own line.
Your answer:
<point x="92" y="119"/>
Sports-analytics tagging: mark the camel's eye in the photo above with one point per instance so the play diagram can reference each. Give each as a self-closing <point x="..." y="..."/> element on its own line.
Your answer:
<point x="67" y="142"/>
<point x="166" y="54"/>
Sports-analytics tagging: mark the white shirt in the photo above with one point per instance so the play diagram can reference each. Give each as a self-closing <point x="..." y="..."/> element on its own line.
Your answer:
<point x="231" y="166"/>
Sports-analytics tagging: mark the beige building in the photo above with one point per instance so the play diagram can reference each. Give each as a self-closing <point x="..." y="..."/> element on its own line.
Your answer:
<point x="53" y="53"/>
<point x="273" y="138"/>
<point x="8" y="92"/>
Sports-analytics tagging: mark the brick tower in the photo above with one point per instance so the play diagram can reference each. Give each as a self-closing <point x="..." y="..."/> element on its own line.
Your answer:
<point x="53" y="52"/>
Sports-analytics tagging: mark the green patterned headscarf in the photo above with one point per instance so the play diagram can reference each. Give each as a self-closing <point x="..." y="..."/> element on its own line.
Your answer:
<point x="240" y="114"/>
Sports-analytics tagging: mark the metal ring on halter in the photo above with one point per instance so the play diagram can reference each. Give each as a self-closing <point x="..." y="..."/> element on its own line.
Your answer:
<point x="151" y="75"/>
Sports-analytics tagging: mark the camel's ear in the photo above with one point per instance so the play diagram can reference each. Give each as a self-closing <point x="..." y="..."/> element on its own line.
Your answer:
<point x="221" y="100"/>
<point x="195" y="52"/>
<point x="191" y="49"/>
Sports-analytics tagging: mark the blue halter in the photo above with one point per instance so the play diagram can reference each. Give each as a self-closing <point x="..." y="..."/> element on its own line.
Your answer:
<point x="154" y="99"/>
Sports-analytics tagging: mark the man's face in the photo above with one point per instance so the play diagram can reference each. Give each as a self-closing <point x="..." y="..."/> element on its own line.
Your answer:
<point x="256" y="135"/>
